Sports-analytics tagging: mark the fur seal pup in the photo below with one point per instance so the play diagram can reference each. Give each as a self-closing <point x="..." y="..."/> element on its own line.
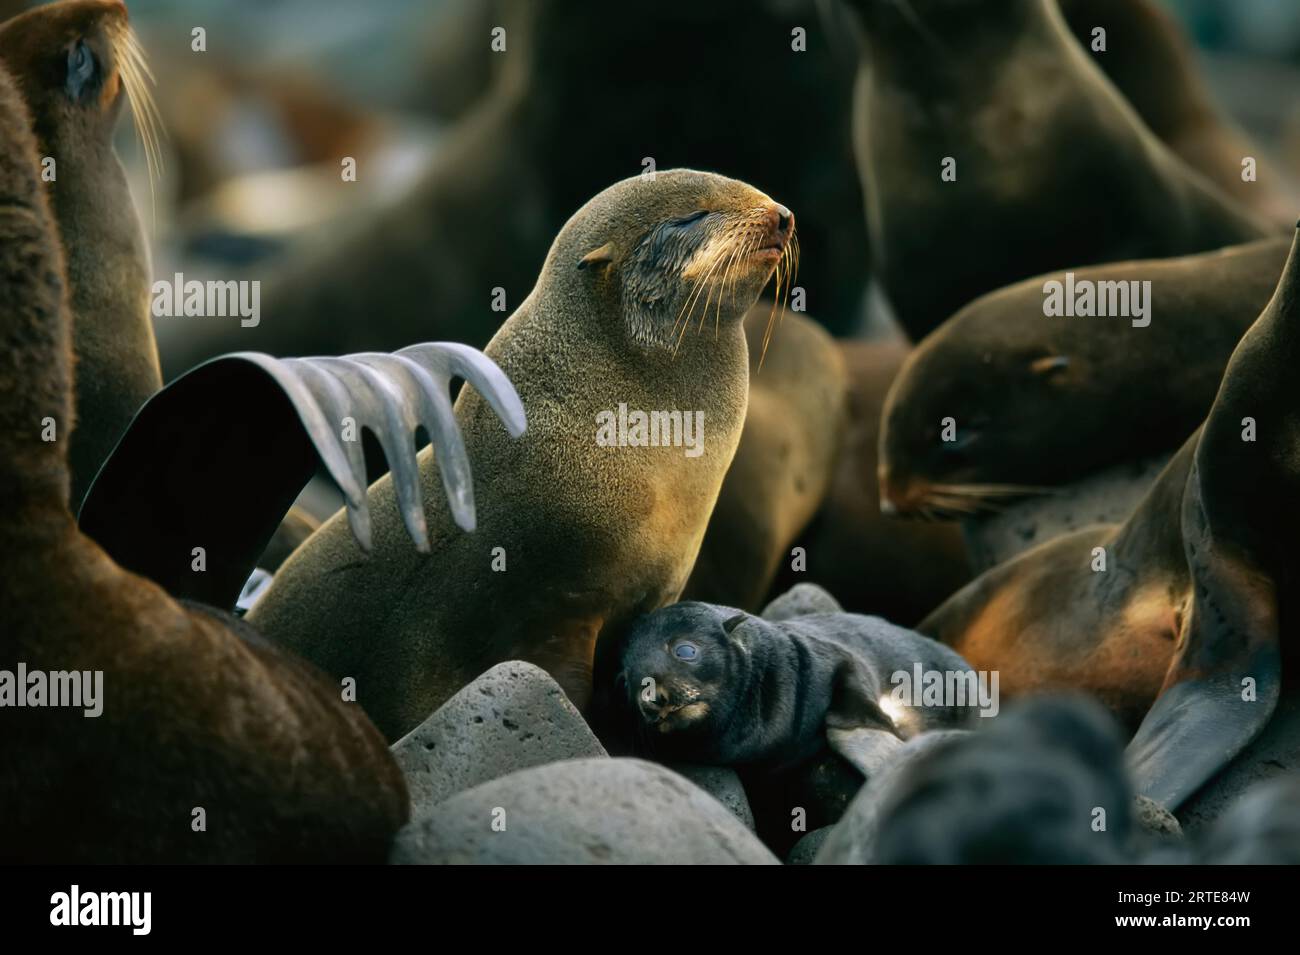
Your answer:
<point x="75" y="107"/>
<point x="1052" y="167"/>
<point x="1012" y="377"/>
<point x="497" y="190"/>
<point x="198" y="720"/>
<point x="585" y="523"/>
<point x="1182" y="625"/>
<point x="714" y="685"/>
<point x="783" y="465"/>
<point x="899" y="570"/>
<point x="1149" y="57"/>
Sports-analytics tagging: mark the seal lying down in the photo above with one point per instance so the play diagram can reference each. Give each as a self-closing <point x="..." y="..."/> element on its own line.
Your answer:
<point x="709" y="684"/>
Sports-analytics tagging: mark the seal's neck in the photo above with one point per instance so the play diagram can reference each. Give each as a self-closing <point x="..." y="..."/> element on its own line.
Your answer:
<point x="35" y="371"/>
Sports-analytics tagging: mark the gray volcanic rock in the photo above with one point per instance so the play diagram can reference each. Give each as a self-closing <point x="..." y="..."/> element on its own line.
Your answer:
<point x="800" y="601"/>
<point x="723" y="784"/>
<point x="512" y="717"/>
<point x="609" y="811"/>
<point x="806" y="849"/>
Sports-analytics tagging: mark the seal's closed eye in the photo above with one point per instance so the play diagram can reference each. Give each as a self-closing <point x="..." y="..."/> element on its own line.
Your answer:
<point x="691" y="219"/>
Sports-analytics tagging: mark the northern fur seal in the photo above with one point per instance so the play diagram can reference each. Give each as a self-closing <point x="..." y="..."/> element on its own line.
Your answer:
<point x="1178" y="620"/>
<point x="1149" y="57"/>
<point x="497" y="190"/>
<point x="714" y="685"/>
<point x="1012" y="377"/>
<point x="75" y="105"/>
<point x="783" y="466"/>
<point x="1052" y="167"/>
<point x="585" y="523"/>
<point x="899" y="570"/>
<point x="209" y="744"/>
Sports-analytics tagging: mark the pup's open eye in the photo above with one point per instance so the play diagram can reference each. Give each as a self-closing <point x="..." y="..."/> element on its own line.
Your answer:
<point x="686" y="651"/>
<point x="81" y="68"/>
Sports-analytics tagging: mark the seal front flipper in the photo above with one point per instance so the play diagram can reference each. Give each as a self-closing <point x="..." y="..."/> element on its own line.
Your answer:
<point x="1204" y="717"/>
<point x="215" y="460"/>
<point x="856" y="727"/>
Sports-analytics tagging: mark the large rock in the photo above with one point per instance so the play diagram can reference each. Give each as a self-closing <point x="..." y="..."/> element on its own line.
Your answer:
<point x="722" y="784"/>
<point x="801" y="600"/>
<point x="512" y="717"/>
<point x="806" y="849"/>
<point x="1106" y="497"/>
<point x="610" y="811"/>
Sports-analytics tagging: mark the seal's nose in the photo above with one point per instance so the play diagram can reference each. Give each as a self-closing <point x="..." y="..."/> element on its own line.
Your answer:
<point x="652" y="705"/>
<point x="782" y="219"/>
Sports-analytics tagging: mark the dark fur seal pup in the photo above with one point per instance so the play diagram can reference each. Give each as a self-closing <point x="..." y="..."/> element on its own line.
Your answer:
<point x="74" y="63"/>
<point x="1040" y="401"/>
<point x="497" y="191"/>
<point x="1150" y="58"/>
<point x="194" y="712"/>
<point x="585" y="522"/>
<point x="900" y="570"/>
<point x="1052" y="167"/>
<point x="1182" y="629"/>
<point x="714" y="685"/>
<point x="1023" y="791"/>
<point x="783" y="466"/>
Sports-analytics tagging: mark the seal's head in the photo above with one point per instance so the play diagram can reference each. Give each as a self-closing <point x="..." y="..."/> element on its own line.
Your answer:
<point x="74" y="62"/>
<point x="672" y="249"/>
<point x="966" y="411"/>
<point x="679" y="666"/>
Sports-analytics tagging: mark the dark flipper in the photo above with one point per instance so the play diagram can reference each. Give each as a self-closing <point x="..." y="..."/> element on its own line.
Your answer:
<point x="216" y="458"/>
<point x="1204" y="715"/>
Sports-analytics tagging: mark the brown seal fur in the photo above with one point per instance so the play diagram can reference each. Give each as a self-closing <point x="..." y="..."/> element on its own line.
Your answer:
<point x="591" y="536"/>
<point x="1191" y="617"/>
<point x="783" y="466"/>
<point x="1149" y="57"/>
<point x="1053" y="167"/>
<point x="196" y="711"/>
<point x="498" y="189"/>
<point x="107" y="259"/>
<point x="1042" y="401"/>
<point x="871" y="563"/>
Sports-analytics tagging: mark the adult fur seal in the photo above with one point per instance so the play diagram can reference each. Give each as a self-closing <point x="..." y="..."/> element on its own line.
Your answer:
<point x="900" y="570"/>
<point x="1052" y="167"/>
<point x="74" y="63"/>
<point x="1149" y="57"/>
<point x="497" y="191"/>
<point x="583" y="526"/>
<point x="714" y="685"/>
<point x="1181" y="626"/>
<point x="195" y="712"/>
<point x="783" y="466"/>
<point x="1040" y="401"/>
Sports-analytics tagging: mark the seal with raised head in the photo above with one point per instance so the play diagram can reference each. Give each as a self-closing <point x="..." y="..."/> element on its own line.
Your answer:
<point x="1149" y="56"/>
<point x="496" y="192"/>
<point x="631" y="362"/>
<point x="1176" y="618"/>
<point x="992" y="148"/>
<point x="708" y="684"/>
<point x="1010" y="377"/>
<point x="74" y="63"/>
<point x="192" y="718"/>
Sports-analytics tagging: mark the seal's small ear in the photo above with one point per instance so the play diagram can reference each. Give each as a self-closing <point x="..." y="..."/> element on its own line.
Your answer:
<point x="601" y="256"/>
<point x="731" y="623"/>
